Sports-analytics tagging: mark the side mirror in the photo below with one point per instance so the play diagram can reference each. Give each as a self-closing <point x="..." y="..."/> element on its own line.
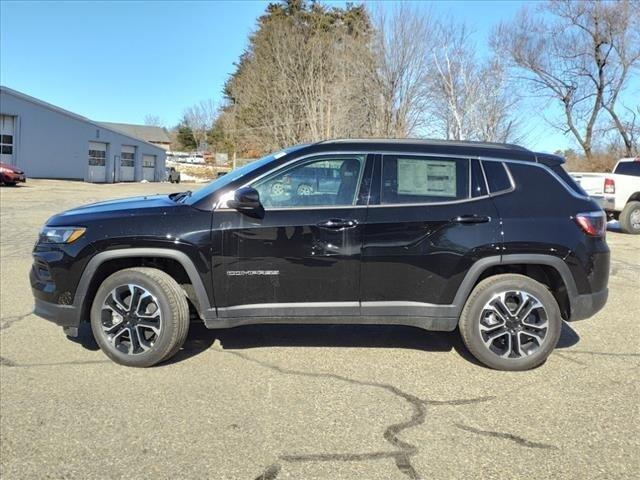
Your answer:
<point x="245" y="199"/>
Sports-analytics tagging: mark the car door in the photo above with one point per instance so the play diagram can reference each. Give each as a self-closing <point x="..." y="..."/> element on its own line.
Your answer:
<point x="429" y="220"/>
<point x="301" y="255"/>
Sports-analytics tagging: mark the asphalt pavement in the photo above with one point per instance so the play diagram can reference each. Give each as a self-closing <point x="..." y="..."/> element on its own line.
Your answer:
<point x="307" y="402"/>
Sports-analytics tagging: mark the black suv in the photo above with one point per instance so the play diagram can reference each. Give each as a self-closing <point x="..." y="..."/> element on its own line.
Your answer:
<point x="493" y="239"/>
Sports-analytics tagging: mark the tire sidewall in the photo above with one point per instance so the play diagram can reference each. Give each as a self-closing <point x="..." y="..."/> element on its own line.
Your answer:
<point x="625" y="218"/>
<point x="164" y="342"/>
<point x="471" y="318"/>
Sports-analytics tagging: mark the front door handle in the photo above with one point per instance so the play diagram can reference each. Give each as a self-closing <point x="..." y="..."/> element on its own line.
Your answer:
<point x="338" y="224"/>
<point x="468" y="219"/>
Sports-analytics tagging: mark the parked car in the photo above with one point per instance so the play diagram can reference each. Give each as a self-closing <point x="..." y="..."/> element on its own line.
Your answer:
<point x="618" y="193"/>
<point x="308" y="181"/>
<point x="10" y="175"/>
<point x="173" y="176"/>
<point x="494" y="240"/>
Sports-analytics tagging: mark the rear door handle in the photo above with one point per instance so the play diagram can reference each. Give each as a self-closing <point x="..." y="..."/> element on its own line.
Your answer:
<point x="468" y="219"/>
<point x="338" y="224"/>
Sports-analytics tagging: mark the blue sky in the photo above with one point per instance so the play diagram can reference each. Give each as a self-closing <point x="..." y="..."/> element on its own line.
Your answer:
<point x="119" y="61"/>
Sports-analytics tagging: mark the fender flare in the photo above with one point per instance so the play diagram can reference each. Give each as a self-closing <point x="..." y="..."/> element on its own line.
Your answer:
<point x="481" y="265"/>
<point x="188" y="265"/>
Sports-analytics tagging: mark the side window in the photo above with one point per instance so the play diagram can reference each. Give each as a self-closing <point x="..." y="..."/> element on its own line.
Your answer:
<point x="417" y="179"/>
<point x="322" y="181"/>
<point x="497" y="176"/>
<point x="628" y="168"/>
<point x="478" y="183"/>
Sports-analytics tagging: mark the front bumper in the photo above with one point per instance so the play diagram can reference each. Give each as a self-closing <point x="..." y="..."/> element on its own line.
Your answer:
<point x="585" y="306"/>
<point x="66" y="316"/>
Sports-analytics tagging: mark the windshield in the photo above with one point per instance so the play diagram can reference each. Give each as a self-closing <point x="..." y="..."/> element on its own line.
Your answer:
<point x="230" y="177"/>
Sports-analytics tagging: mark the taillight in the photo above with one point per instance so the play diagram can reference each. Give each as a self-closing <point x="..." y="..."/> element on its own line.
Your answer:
<point x="592" y="223"/>
<point x="609" y="185"/>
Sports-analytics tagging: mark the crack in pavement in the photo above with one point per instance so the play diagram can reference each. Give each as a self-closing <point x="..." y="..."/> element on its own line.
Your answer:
<point x="406" y="450"/>
<point x="507" y="436"/>
<point x="11" y="320"/>
<point x="10" y="363"/>
<point x="607" y="354"/>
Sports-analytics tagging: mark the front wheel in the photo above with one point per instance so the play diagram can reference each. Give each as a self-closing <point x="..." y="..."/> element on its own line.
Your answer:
<point x="511" y="322"/>
<point x="140" y="317"/>
<point x="630" y="218"/>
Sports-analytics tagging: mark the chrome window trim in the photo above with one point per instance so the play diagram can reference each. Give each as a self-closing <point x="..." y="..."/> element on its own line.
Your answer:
<point x="504" y="190"/>
<point x="542" y="166"/>
<point x="482" y="158"/>
<point x="301" y="159"/>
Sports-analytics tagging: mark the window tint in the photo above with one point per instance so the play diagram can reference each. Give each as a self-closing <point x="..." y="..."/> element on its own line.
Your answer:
<point x="628" y="168"/>
<point x="497" y="176"/>
<point x="478" y="184"/>
<point x="566" y="178"/>
<point x="326" y="181"/>
<point x="415" y="179"/>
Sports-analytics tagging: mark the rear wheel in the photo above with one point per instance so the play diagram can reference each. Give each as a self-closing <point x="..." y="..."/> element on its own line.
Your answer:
<point x="304" y="189"/>
<point x="140" y="317"/>
<point x="630" y="218"/>
<point x="510" y="322"/>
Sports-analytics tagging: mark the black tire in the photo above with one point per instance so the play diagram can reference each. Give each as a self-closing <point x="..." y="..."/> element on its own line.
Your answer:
<point x="629" y="222"/>
<point x="475" y="310"/>
<point x="173" y="319"/>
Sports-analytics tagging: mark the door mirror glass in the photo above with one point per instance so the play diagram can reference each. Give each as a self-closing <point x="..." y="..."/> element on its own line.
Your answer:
<point x="245" y="198"/>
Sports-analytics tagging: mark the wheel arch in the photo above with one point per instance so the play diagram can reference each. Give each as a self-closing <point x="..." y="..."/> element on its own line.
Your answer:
<point x="635" y="197"/>
<point x="177" y="263"/>
<point x="546" y="269"/>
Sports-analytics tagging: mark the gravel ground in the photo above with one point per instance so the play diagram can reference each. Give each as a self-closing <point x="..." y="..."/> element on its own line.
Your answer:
<point x="291" y="402"/>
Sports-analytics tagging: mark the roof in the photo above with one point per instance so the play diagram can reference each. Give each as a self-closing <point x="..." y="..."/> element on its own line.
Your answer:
<point x="428" y="142"/>
<point x="149" y="133"/>
<point x="443" y="147"/>
<point x="75" y="116"/>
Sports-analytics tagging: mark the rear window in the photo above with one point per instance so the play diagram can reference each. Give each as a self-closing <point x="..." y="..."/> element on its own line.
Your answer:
<point x="478" y="184"/>
<point x="566" y="178"/>
<point x="497" y="176"/>
<point x="628" y="168"/>
<point x="416" y="179"/>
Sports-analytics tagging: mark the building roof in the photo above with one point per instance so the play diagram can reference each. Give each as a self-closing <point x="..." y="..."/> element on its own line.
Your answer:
<point x="148" y="133"/>
<point x="75" y="116"/>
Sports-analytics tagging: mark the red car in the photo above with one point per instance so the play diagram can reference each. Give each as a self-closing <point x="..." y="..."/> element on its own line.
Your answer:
<point x="10" y="175"/>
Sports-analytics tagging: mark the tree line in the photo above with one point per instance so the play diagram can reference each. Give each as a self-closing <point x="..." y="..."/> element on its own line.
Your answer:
<point x="312" y="72"/>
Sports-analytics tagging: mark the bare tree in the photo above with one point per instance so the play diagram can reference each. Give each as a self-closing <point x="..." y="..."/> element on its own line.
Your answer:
<point x="200" y="119"/>
<point x="153" y="120"/>
<point x="402" y="47"/>
<point x="470" y="99"/>
<point x="568" y="55"/>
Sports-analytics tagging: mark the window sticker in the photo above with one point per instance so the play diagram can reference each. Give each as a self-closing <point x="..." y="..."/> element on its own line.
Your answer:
<point x="434" y="178"/>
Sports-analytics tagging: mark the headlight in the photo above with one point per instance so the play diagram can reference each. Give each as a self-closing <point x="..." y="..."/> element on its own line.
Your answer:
<point x="61" y="234"/>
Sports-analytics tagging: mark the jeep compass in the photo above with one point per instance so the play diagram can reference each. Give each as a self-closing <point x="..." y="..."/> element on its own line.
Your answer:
<point x="492" y="239"/>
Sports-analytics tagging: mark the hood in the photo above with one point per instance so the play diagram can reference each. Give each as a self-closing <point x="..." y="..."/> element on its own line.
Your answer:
<point x="131" y="206"/>
<point x="6" y="166"/>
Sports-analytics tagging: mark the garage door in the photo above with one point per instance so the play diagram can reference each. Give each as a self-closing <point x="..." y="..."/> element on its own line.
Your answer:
<point x="7" y="139"/>
<point x="97" y="162"/>
<point x="127" y="163"/>
<point x="149" y="167"/>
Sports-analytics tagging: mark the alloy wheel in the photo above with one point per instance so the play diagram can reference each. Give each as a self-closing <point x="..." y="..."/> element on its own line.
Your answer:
<point x="131" y="319"/>
<point x="634" y="219"/>
<point x="305" y="190"/>
<point x="513" y="324"/>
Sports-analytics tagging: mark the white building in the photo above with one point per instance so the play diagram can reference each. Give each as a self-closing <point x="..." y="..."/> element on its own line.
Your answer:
<point x="48" y="142"/>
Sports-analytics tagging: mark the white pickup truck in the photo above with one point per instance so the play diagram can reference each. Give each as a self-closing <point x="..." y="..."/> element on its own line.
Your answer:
<point x="618" y="193"/>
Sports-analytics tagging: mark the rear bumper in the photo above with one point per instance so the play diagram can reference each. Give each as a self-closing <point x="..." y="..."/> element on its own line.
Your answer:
<point x="585" y="306"/>
<point x="605" y="202"/>
<point x="14" y="177"/>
